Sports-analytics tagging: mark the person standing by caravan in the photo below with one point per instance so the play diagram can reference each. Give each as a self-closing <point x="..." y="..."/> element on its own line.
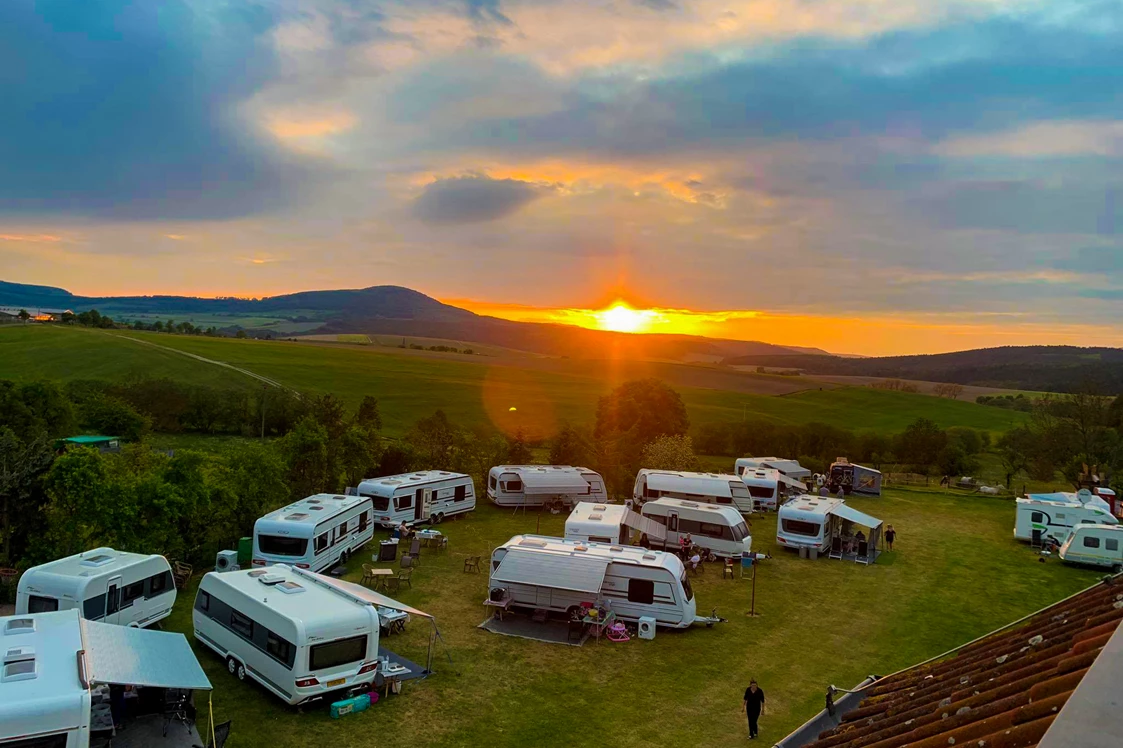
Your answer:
<point x="753" y="707"/>
<point x="890" y="536"/>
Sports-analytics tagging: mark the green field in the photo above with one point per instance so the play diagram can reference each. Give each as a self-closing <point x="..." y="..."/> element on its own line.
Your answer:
<point x="411" y="384"/>
<point x="957" y="574"/>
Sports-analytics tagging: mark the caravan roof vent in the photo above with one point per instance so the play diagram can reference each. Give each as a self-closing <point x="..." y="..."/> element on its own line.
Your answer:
<point x="297" y="517"/>
<point x="533" y="543"/>
<point x="19" y="670"/>
<point x="599" y="507"/>
<point x="415" y="477"/>
<point x="316" y="508"/>
<point x="339" y="498"/>
<point x="100" y="559"/>
<point x="271" y="579"/>
<point x="290" y="588"/>
<point x="259" y="572"/>
<point x="18" y="654"/>
<point x="690" y="504"/>
<point x="581" y="548"/>
<point x="19" y="626"/>
<point x="649" y="556"/>
<point x="596" y="516"/>
<point x="616" y="548"/>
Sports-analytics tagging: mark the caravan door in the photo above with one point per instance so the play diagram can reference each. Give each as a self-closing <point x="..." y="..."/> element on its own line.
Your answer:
<point x="113" y="600"/>
<point x="423" y="504"/>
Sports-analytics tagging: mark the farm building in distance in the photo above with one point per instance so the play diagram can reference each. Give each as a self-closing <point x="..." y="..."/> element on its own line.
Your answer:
<point x="1049" y="680"/>
<point x="38" y="314"/>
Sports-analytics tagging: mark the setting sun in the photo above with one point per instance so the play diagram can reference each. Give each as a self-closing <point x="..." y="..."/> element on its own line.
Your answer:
<point x="622" y="318"/>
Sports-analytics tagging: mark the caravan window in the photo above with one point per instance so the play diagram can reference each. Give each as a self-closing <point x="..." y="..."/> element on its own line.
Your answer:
<point x="276" y="545"/>
<point x="241" y="624"/>
<point x="381" y="503"/>
<point x="132" y="591"/>
<point x="799" y="527"/>
<point x="280" y="649"/>
<point x="491" y="481"/>
<point x="1036" y="517"/>
<point x="159" y="583"/>
<point x="513" y="485"/>
<point x="94" y="608"/>
<point x="337" y="653"/>
<point x="364" y="518"/>
<point x="738" y="489"/>
<point x="204" y="601"/>
<point x="687" y="588"/>
<point x="321" y="542"/>
<point x="649" y="493"/>
<point x="740" y="532"/>
<point x="403" y="502"/>
<point x="1090" y="542"/>
<point x="761" y="492"/>
<point x="1111" y="544"/>
<point x="341" y="531"/>
<point x="460" y="493"/>
<point x="37" y="604"/>
<point x="641" y="591"/>
<point x="711" y="530"/>
<point x="595" y="539"/>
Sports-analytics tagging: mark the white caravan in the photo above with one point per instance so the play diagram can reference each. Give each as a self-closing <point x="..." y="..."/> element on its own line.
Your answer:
<point x="56" y="669"/>
<point x="790" y="468"/>
<point x="316" y="533"/>
<point x="292" y="632"/>
<point x="609" y="523"/>
<point x="1037" y="521"/>
<point x="849" y="478"/>
<point x="768" y="488"/>
<point x="426" y="496"/>
<point x="1094" y="545"/>
<point x="130" y="589"/>
<point x="812" y="522"/>
<point x="721" y="529"/>
<point x="559" y="575"/>
<point x="535" y="485"/>
<point x="1083" y="496"/>
<point x="708" y="488"/>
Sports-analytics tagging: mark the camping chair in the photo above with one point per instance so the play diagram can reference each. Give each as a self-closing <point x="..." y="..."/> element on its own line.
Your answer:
<point x="175" y="707"/>
<point x="727" y="569"/>
<point x="221" y="735"/>
<point x="472" y="563"/>
<point x="408" y="561"/>
<point x="403" y="576"/>
<point x="576" y="630"/>
<point x="415" y="551"/>
<point x="836" y="547"/>
<point x="863" y="552"/>
<point x="441" y="542"/>
<point x="181" y="574"/>
<point x="368" y="575"/>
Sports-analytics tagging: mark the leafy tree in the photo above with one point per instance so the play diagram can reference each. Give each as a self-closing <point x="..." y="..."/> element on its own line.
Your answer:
<point x="638" y="412"/>
<point x="305" y="451"/>
<point x="22" y="466"/>
<point x="68" y="318"/>
<point x="368" y="416"/>
<point x="954" y="460"/>
<point x="714" y="439"/>
<point x="670" y="453"/>
<point x="36" y="406"/>
<point x="433" y="439"/>
<point x="920" y="444"/>
<point x="967" y="439"/>
<point x="113" y="417"/>
<point x="78" y="488"/>
<point x="570" y="446"/>
<point x="1014" y="449"/>
<point x="23" y="315"/>
<point x="253" y="477"/>
<point x="397" y="458"/>
<point x="360" y="452"/>
<point x="478" y="450"/>
<point x="241" y="335"/>
<point x="517" y="451"/>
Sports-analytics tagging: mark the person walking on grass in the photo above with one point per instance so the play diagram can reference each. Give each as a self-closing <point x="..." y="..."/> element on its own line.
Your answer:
<point x="753" y="707"/>
<point x="890" y="536"/>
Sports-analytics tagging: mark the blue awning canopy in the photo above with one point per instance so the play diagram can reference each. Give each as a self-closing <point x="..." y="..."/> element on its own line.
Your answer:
<point x="140" y="657"/>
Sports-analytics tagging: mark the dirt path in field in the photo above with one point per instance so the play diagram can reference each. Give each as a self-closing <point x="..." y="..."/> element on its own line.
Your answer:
<point x="247" y="372"/>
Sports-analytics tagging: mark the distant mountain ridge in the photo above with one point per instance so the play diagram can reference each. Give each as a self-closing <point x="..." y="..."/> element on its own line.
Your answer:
<point x="1040" y="368"/>
<point x="393" y="310"/>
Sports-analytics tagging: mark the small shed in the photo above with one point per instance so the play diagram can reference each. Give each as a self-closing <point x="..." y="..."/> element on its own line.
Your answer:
<point x="100" y="443"/>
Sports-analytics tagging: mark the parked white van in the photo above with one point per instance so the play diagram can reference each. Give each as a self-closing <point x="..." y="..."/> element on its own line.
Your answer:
<point x="316" y="533"/>
<point x="298" y="636"/>
<point x="559" y="575"/>
<point x="130" y="589"/>
<point x="1036" y="520"/>
<point x="708" y="488"/>
<point x="56" y="672"/>
<point x="1094" y="545"/>
<point x="535" y="485"/>
<point x="721" y="529"/>
<point x="426" y="496"/>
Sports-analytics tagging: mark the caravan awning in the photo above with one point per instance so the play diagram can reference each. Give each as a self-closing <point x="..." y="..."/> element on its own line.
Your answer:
<point x="370" y="596"/>
<point x="858" y="518"/>
<point x="574" y="573"/>
<point x="646" y="525"/>
<point x="540" y="482"/>
<point x="697" y="485"/>
<point x="140" y="657"/>
<point x="792" y="482"/>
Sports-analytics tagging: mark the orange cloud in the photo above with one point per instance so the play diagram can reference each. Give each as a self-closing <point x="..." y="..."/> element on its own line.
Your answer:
<point x="35" y="238"/>
<point x="298" y="127"/>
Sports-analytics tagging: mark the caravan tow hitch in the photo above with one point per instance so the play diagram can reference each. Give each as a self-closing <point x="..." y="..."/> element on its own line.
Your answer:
<point x="710" y="620"/>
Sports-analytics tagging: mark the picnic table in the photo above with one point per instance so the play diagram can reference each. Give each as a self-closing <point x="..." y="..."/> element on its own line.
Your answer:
<point x="599" y="624"/>
<point x="381" y="576"/>
<point x="428" y="536"/>
<point x="394" y="621"/>
<point x="498" y="607"/>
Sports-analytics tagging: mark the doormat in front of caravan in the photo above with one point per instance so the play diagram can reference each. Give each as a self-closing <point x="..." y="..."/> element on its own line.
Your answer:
<point x="551" y="632"/>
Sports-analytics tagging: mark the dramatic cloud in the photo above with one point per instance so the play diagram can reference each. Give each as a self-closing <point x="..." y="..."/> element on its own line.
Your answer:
<point x="472" y="199"/>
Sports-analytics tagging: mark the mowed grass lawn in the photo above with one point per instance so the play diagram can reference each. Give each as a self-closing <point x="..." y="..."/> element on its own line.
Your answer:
<point x="957" y="574"/>
<point x="471" y="390"/>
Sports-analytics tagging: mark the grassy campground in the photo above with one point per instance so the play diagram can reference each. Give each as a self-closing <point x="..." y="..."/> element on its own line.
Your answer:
<point x="410" y="384"/>
<point x="957" y="574"/>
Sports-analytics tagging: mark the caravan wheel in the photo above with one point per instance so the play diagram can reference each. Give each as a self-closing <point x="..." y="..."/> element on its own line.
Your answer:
<point x="241" y="672"/>
<point x="343" y="557"/>
<point x="438" y="518"/>
<point x="232" y="665"/>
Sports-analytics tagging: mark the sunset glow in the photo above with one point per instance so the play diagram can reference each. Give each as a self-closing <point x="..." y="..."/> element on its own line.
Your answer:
<point x="622" y="318"/>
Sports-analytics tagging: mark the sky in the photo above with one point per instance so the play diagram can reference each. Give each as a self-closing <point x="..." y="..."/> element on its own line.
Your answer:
<point x="867" y="176"/>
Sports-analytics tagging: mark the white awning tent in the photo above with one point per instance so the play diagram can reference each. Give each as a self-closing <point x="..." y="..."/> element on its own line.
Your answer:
<point x="573" y="573"/>
<point x="553" y="482"/>
<point x="645" y="525"/>
<point x="791" y="482"/>
<point x="121" y="655"/>
<point x="699" y="485"/>
<point x="873" y="524"/>
<point x="370" y="596"/>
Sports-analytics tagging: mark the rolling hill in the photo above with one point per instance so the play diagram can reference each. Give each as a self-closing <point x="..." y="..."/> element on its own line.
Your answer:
<point x="388" y="310"/>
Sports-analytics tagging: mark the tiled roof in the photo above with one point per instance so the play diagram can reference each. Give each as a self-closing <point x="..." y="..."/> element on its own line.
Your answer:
<point x="1000" y="692"/>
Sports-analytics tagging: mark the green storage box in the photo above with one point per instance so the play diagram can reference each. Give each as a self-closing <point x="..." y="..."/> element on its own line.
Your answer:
<point x="245" y="552"/>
